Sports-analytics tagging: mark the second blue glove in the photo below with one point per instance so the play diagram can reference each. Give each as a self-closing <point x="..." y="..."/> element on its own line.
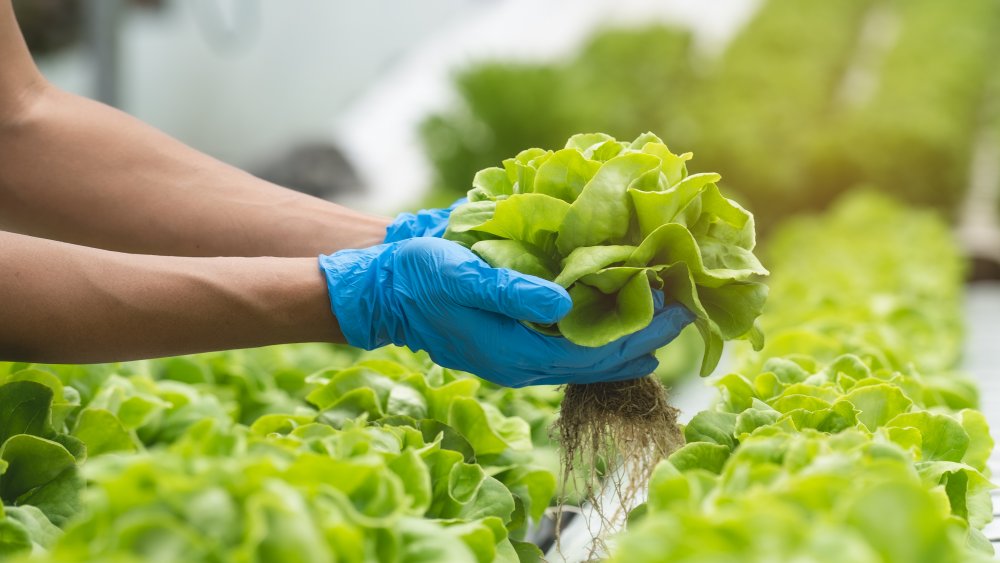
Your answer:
<point x="423" y="223"/>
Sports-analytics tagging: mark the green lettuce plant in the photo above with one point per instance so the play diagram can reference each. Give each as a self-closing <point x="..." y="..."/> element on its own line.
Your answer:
<point x="109" y="452"/>
<point x="287" y="489"/>
<point x="800" y="496"/>
<point x="831" y="444"/>
<point x="39" y="461"/>
<point x="611" y="220"/>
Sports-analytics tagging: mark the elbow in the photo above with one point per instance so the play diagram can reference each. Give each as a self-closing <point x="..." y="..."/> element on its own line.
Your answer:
<point x="20" y="105"/>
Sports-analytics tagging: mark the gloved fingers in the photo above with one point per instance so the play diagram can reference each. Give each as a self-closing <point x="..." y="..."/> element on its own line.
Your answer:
<point x="490" y="345"/>
<point x="667" y="323"/>
<point x="519" y="296"/>
<point x="638" y="367"/>
<point x="562" y="358"/>
<point x="564" y="355"/>
<point x="631" y="369"/>
<point x="508" y="353"/>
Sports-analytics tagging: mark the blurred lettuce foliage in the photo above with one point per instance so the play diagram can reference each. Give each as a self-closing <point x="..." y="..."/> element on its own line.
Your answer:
<point x="809" y="99"/>
<point x="287" y="453"/>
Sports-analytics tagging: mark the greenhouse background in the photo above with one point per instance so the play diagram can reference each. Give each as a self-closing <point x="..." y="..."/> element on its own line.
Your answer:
<point x="863" y="135"/>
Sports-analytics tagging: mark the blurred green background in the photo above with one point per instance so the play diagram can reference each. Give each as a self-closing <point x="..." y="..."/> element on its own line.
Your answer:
<point x="809" y="100"/>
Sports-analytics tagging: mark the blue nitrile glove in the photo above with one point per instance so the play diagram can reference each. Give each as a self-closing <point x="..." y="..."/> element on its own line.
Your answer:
<point x="435" y="295"/>
<point x="423" y="223"/>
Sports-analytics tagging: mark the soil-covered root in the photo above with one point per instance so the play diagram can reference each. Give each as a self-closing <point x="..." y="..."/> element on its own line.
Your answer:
<point x="612" y="435"/>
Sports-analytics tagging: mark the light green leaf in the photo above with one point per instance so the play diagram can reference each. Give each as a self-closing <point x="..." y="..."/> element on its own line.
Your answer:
<point x="516" y="255"/>
<point x="490" y="184"/>
<point x="967" y="489"/>
<point x="752" y="419"/>
<point x="35" y="463"/>
<point x="942" y="438"/>
<point x="734" y="308"/>
<point x="590" y="259"/>
<point x="24" y="527"/>
<point x="584" y="141"/>
<point x="700" y="455"/>
<point x="714" y="427"/>
<point x="678" y="204"/>
<point x="597" y="318"/>
<point x="565" y="174"/>
<point x="724" y="220"/>
<point x="531" y="218"/>
<point x="605" y="151"/>
<point x="878" y="404"/>
<point x="468" y="216"/>
<point x="64" y="399"/>
<point x="643" y="139"/>
<point x="25" y="409"/>
<point x="980" y="442"/>
<point x="102" y="432"/>
<point x="601" y="214"/>
<point x="672" y="165"/>
<point x="487" y="430"/>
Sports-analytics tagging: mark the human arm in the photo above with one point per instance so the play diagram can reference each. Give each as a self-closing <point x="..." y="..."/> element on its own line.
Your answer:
<point x="63" y="303"/>
<point x="74" y="170"/>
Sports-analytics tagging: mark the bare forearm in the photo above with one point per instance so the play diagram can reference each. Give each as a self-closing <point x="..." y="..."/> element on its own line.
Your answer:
<point x="78" y="171"/>
<point x="70" y="304"/>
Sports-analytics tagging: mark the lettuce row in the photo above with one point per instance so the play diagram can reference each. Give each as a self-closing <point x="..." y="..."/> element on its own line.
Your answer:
<point x="900" y="109"/>
<point x="769" y="439"/>
<point x="440" y="401"/>
<point x="947" y="447"/>
<point x="837" y="448"/>
<point x="897" y="302"/>
<point x="608" y="220"/>
<point x="189" y="427"/>
<point x="286" y="489"/>
<point x="803" y="496"/>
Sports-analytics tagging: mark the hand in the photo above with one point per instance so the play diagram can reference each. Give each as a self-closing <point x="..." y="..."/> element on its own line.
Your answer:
<point x="435" y="295"/>
<point x="424" y="223"/>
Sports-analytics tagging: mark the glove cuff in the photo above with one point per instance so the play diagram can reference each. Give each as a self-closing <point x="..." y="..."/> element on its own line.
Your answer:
<point x="425" y="223"/>
<point x="354" y="279"/>
<point x="401" y="228"/>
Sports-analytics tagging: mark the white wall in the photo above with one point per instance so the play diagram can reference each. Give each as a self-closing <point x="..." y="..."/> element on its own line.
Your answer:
<point x="285" y="72"/>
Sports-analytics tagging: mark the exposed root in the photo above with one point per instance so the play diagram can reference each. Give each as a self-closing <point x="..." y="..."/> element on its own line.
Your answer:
<point x="612" y="435"/>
